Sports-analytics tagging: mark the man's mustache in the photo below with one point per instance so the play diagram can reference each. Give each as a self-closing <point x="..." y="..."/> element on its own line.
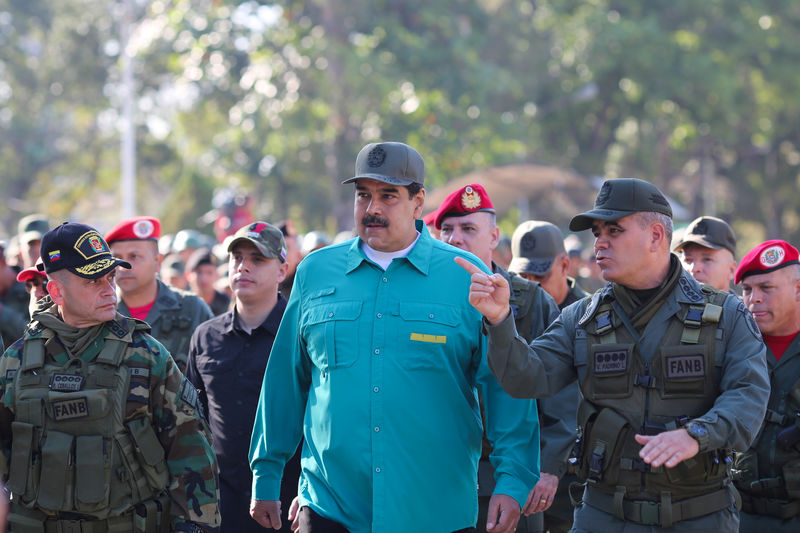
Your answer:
<point x="371" y="219"/>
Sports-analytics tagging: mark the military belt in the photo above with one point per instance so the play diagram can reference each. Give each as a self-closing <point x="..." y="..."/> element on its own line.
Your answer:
<point x="768" y="506"/>
<point x="662" y="513"/>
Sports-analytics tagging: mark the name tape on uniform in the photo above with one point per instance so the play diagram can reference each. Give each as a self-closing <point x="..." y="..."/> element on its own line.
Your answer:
<point x="610" y="361"/>
<point x="66" y="382"/>
<point x="685" y="366"/>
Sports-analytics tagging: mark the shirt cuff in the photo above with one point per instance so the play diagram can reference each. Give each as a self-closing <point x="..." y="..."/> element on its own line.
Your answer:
<point x="515" y="488"/>
<point x="266" y="488"/>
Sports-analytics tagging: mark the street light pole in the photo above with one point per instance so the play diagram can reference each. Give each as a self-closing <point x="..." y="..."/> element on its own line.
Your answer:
<point x="128" y="133"/>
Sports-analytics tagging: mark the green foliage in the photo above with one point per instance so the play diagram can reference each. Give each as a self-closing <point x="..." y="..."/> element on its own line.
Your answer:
<point x="278" y="98"/>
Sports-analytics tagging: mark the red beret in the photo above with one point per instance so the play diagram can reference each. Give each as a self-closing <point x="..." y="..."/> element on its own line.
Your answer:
<point x="429" y="218"/>
<point x="470" y="199"/>
<point x="767" y="257"/>
<point x="134" y="229"/>
<point x="32" y="272"/>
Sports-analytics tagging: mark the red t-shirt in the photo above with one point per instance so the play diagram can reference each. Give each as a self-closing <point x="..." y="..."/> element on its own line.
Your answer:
<point x="141" y="312"/>
<point x="779" y="343"/>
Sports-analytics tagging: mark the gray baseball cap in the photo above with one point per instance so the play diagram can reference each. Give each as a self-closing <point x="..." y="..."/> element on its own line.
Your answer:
<point x="390" y="162"/>
<point x="534" y="246"/>
<point x="711" y="232"/>
<point x="622" y="197"/>
<point x="32" y="228"/>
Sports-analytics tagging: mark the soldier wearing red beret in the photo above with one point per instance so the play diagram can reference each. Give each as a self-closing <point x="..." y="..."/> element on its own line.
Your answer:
<point x="770" y="480"/>
<point x="173" y="314"/>
<point x="466" y="219"/>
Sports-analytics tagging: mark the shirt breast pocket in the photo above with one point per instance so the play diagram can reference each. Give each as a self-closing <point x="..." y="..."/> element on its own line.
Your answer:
<point x="426" y="334"/>
<point x="331" y="333"/>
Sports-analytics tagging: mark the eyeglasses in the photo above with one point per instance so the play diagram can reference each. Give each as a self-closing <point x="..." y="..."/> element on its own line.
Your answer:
<point x="35" y="283"/>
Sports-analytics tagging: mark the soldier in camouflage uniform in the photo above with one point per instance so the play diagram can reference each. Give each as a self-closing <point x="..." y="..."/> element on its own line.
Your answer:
<point x="172" y="314"/>
<point x="466" y="220"/>
<point x="100" y="431"/>
<point x="672" y="373"/>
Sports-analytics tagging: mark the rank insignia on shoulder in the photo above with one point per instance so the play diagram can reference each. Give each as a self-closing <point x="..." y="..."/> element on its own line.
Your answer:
<point x="117" y="329"/>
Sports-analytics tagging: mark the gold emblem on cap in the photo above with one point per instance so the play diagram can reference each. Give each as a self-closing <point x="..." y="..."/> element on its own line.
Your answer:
<point x="470" y="199"/>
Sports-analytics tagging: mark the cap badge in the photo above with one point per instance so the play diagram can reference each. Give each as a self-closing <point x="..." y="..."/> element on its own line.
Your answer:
<point x="528" y="242"/>
<point x="605" y="192"/>
<point x="470" y="199"/>
<point x="772" y="256"/>
<point x="96" y="243"/>
<point x="376" y="157"/>
<point x="143" y="229"/>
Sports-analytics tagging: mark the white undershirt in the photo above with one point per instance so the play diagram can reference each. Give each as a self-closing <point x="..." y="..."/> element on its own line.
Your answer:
<point x="384" y="259"/>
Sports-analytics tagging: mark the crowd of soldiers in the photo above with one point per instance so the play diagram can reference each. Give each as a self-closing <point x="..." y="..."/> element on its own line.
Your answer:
<point x="370" y="382"/>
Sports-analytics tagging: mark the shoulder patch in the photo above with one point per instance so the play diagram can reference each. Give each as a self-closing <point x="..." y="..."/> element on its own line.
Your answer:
<point x="750" y="321"/>
<point x="189" y="393"/>
<point x="688" y="290"/>
<point x="117" y="329"/>
<point x="591" y="307"/>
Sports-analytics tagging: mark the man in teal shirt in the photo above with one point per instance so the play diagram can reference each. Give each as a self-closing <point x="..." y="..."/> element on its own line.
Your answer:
<point x="377" y="364"/>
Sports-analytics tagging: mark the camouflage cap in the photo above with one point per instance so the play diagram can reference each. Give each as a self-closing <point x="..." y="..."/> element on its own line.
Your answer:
<point x="268" y="239"/>
<point x="390" y="162"/>
<point x="534" y="246"/>
<point x="622" y="197"/>
<point x="711" y="232"/>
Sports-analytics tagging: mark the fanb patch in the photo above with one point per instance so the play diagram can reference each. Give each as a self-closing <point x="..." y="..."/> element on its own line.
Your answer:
<point x="685" y="366"/>
<point x="609" y="361"/>
<point x="70" y="409"/>
<point x="66" y="382"/>
<point x="189" y="393"/>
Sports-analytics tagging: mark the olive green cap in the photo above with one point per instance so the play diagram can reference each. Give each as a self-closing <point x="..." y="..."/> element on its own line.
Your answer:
<point x="534" y="246"/>
<point x="622" y="197"/>
<point x="711" y="232"/>
<point x="390" y="162"/>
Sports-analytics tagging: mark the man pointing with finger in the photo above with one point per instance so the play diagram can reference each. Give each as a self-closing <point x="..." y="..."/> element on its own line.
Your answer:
<point x="672" y="373"/>
<point x="377" y="364"/>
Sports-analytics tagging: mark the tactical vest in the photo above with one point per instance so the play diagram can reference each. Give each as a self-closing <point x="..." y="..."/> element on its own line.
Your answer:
<point x="623" y="395"/>
<point x="768" y="474"/>
<point x="72" y="449"/>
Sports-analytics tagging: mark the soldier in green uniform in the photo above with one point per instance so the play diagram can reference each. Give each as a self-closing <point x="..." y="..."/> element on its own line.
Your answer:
<point x="172" y="314"/>
<point x="538" y="254"/>
<point x="672" y="373"/>
<point x="768" y="474"/>
<point x="708" y="251"/>
<point x="466" y="219"/>
<point x="100" y="432"/>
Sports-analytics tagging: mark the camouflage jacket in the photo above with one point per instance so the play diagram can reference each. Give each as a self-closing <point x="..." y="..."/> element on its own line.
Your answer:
<point x="173" y="318"/>
<point x="170" y="403"/>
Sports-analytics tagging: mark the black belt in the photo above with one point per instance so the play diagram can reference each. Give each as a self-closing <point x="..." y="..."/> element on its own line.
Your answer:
<point x="662" y="513"/>
<point x="782" y="509"/>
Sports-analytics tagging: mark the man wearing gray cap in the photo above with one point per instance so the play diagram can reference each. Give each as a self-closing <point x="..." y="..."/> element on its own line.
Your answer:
<point x="539" y="255"/>
<point x="708" y="250"/>
<point x="30" y="231"/>
<point x="673" y="373"/>
<point x="377" y="365"/>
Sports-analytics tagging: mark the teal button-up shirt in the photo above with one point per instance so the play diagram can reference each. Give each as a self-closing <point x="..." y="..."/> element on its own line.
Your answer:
<point x="379" y="372"/>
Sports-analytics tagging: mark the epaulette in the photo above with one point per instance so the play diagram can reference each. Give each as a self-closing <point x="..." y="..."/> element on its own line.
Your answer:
<point x="600" y="296"/>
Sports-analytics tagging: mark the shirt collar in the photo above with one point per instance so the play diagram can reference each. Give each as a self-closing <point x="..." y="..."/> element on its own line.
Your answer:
<point x="270" y="324"/>
<point x="419" y="256"/>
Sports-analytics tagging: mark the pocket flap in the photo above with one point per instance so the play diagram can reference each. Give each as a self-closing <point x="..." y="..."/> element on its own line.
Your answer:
<point x="347" y="310"/>
<point x="425" y="312"/>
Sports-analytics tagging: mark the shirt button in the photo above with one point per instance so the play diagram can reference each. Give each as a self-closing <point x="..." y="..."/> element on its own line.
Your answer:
<point x="378" y="470"/>
<point x="377" y="351"/>
<point x="385" y="280"/>
<point x="379" y="315"/>
<point x="330" y="314"/>
<point x="376" y="389"/>
<point x="238" y="402"/>
<point x="377" y="429"/>
<point x="430" y="315"/>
